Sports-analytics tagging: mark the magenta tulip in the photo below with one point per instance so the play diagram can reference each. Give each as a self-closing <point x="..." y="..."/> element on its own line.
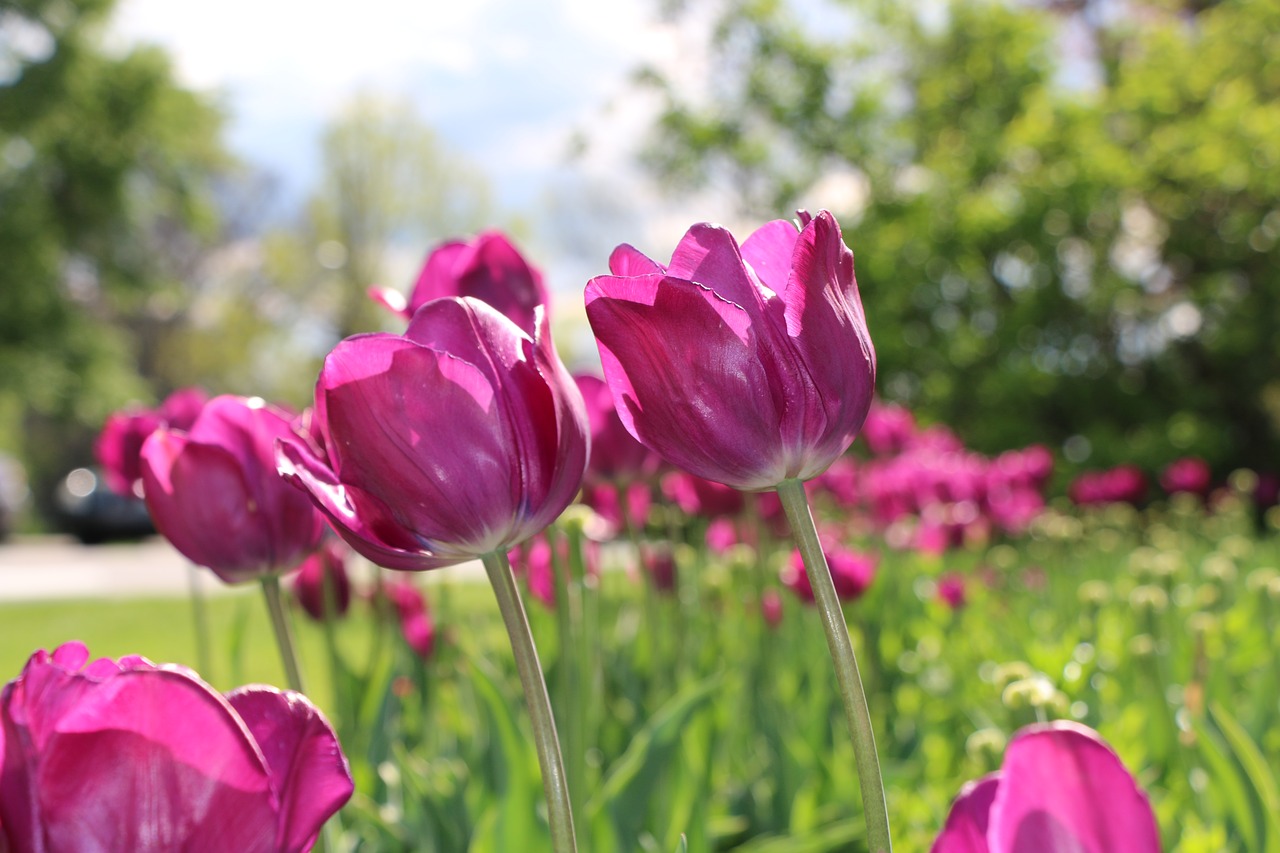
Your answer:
<point x="119" y="446"/>
<point x="1061" y="789"/>
<point x="615" y="454"/>
<point x="327" y="567"/>
<point x="744" y="365"/>
<point x="416" y="625"/>
<point x="128" y="755"/>
<point x="214" y="493"/>
<point x="1188" y="474"/>
<point x="463" y="437"/>
<point x="487" y="267"/>
<point x="851" y="572"/>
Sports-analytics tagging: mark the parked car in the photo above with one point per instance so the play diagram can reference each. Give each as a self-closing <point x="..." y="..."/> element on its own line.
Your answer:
<point x="89" y="510"/>
<point x="13" y="493"/>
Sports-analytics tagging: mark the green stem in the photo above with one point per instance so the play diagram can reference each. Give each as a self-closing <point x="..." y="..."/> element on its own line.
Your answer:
<point x="200" y="617"/>
<point x="796" y="505"/>
<point x="280" y="624"/>
<point x="554" y="784"/>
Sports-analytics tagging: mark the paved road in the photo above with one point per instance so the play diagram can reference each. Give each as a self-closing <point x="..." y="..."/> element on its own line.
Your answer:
<point x="42" y="568"/>
<point x="51" y="567"/>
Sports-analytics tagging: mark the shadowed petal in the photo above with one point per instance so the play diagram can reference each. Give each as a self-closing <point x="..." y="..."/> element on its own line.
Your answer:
<point x="966" y="828"/>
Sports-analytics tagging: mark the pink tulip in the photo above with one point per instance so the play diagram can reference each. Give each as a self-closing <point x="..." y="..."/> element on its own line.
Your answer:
<point x="533" y="560"/>
<point x="309" y="583"/>
<point x="460" y="438"/>
<point x="604" y="500"/>
<point x="416" y="625"/>
<point x="1061" y="789"/>
<point x="487" y="267"/>
<point x="771" y="608"/>
<point x="889" y="429"/>
<point x="119" y="446"/>
<point x="951" y="591"/>
<point x="214" y="493"/>
<point x="706" y="498"/>
<point x="851" y="573"/>
<point x="615" y="455"/>
<point x="133" y="756"/>
<point x="743" y="365"/>
<point x="1122" y="484"/>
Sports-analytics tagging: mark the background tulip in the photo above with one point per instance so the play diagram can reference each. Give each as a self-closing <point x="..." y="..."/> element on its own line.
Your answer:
<point x="487" y="267"/>
<point x="214" y="493"/>
<point x="744" y="365"/>
<point x="1060" y="789"/>
<point x="119" y="445"/>
<point x="327" y="566"/>
<point x="462" y="437"/>
<point x="133" y="756"/>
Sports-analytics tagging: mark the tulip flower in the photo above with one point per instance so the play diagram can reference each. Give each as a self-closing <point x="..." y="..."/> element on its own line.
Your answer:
<point x="951" y="590"/>
<point x="1060" y="789"/>
<point x="119" y="446"/>
<point x="459" y="439"/>
<point x="327" y="566"/>
<point x="615" y="454"/>
<point x="416" y="625"/>
<point x="128" y="755"/>
<point x="462" y="437"/>
<point x="214" y="493"/>
<point x="487" y="267"/>
<point x="744" y="365"/>
<point x="1188" y="474"/>
<point x="851" y="573"/>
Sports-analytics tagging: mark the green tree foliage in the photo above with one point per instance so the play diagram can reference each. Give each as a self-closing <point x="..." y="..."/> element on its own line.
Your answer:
<point x="106" y="170"/>
<point x="1065" y="221"/>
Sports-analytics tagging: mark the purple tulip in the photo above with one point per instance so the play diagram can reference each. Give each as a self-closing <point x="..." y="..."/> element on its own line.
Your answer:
<point x="1188" y="474"/>
<point x="747" y="366"/>
<point x="416" y="625"/>
<point x="214" y="493"/>
<point x="487" y="267"/>
<point x="463" y="437"/>
<point x="851" y="573"/>
<point x="1060" y="789"/>
<point x="119" y="445"/>
<point x="133" y="756"/>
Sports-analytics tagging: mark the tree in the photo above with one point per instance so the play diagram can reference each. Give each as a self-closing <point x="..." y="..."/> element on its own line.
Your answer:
<point x="1052" y="241"/>
<point x="106" y="170"/>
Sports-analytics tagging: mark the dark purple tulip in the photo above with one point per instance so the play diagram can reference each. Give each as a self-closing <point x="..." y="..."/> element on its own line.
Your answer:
<point x="487" y="267"/>
<point x="309" y="582"/>
<point x="214" y="493"/>
<point x="119" y="445"/>
<point x="133" y="756"/>
<point x="1061" y="789"/>
<point x="747" y="366"/>
<point x="463" y="437"/>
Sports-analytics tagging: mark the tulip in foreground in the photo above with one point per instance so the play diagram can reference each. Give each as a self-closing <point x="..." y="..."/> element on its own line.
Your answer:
<point x="1060" y="789"/>
<point x="130" y="755"/>
<point x="751" y="365"/>
<point x="455" y="441"/>
<point x="747" y="365"/>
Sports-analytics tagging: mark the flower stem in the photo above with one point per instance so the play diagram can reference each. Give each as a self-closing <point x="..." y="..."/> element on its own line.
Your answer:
<point x="280" y="624"/>
<point x="554" y="783"/>
<point x="200" y="616"/>
<point x="796" y="505"/>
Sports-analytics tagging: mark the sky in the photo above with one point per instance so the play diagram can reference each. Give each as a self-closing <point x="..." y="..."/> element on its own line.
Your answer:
<point x="506" y="83"/>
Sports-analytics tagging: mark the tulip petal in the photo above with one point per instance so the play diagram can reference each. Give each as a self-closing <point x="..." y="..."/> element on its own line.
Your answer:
<point x="488" y="268"/>
<point x="626" y="260"/>
<point x="769" y="251"/>
<point x="688" y="378"/>
<point x="966" y="828"/>
<point x="307" y="767"/>
<point x="1063" y="789"/>
<point x="709" y="255"/>
<point x="828" y="332"/>
<point x="361" y="519"/>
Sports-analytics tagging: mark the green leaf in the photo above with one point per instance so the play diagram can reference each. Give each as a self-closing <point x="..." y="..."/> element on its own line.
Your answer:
<point x="1256" y="769"/>
<point x="509" y="823"/>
